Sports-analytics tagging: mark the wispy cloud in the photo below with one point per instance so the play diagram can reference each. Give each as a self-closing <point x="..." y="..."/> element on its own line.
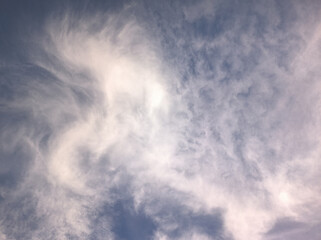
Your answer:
<point x="197" y="120"/>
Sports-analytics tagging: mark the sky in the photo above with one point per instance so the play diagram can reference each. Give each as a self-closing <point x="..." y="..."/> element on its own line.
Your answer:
<point x="161" y="120"/>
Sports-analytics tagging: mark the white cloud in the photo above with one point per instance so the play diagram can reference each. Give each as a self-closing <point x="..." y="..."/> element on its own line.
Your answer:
<point x="248" y="146"/>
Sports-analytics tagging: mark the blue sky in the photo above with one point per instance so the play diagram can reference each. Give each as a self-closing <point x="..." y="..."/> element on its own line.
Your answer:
<point x="160" y="120"/>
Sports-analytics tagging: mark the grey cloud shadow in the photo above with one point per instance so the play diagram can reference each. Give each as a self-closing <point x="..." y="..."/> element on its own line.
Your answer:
<point x="288" y="228"/>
